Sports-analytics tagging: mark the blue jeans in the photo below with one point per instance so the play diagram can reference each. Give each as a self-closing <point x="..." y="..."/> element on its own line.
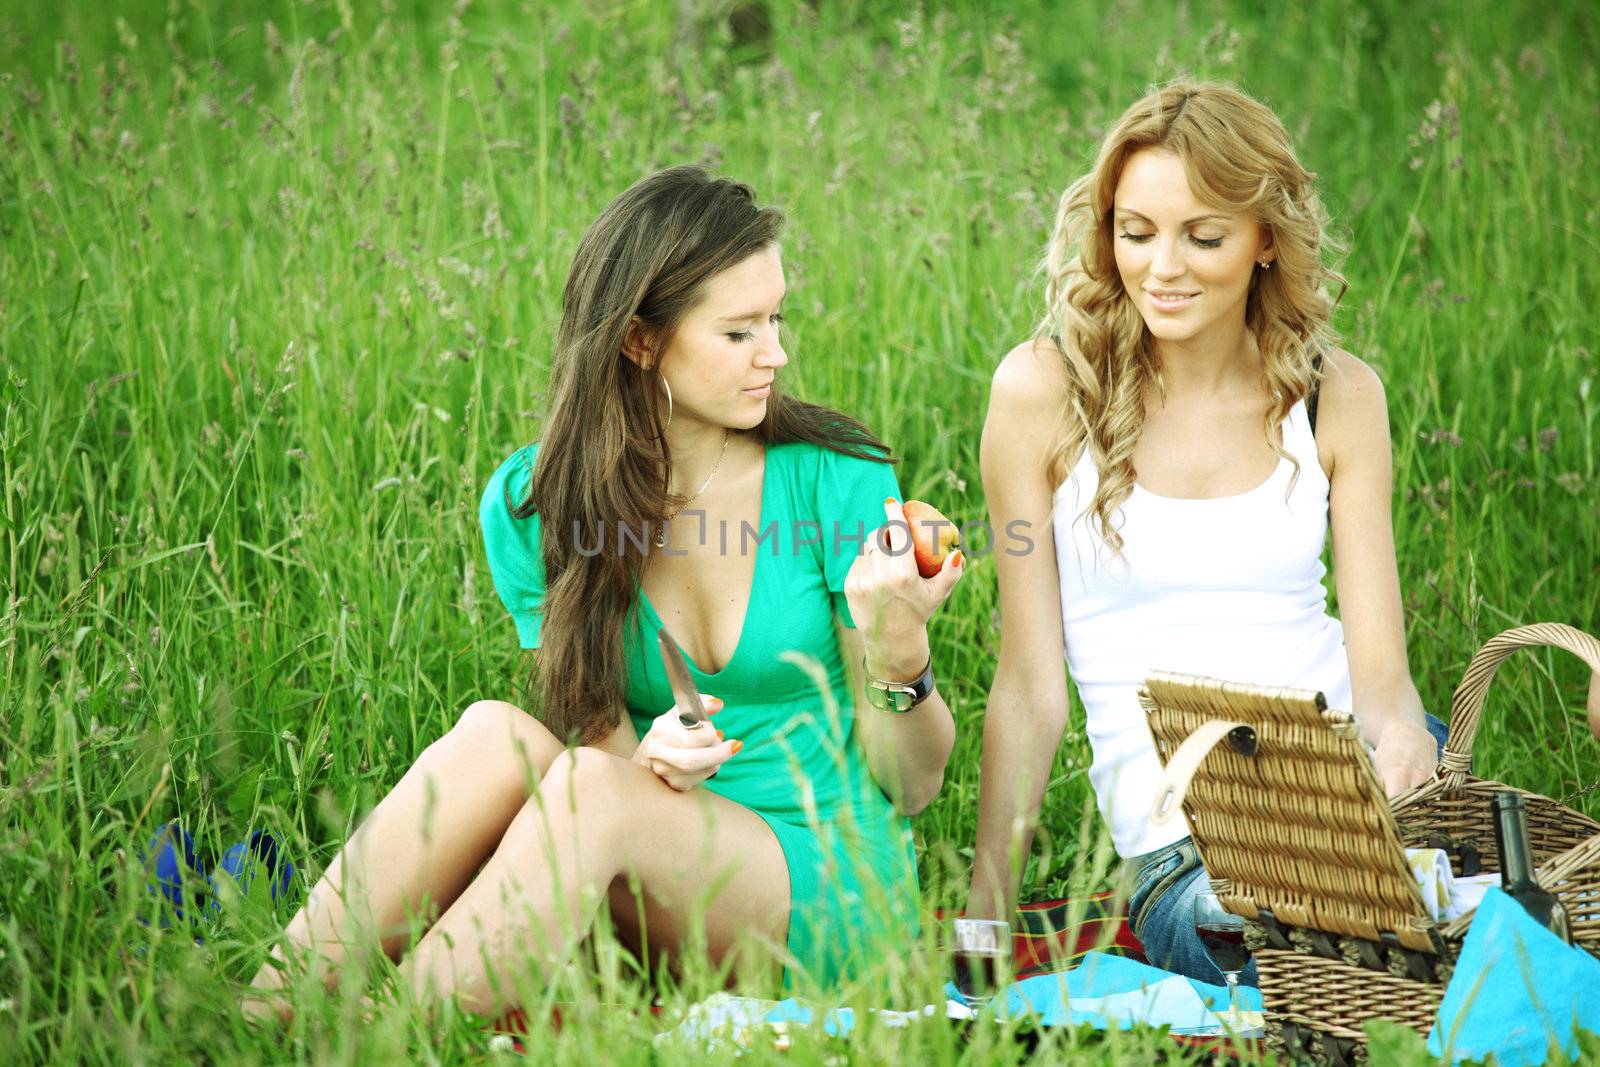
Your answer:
<point x="1161" y="909"/>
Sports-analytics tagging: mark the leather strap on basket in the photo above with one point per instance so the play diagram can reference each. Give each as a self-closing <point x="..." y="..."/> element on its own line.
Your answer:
<point x="1184" y="763"/>
<point x="1468" y="702"/>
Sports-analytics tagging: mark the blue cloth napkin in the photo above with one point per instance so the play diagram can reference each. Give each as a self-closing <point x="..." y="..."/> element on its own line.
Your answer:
<point x="1115" y="992"/>
<point x="836" y="1022"/>
<point x="1103" y="991"/>
<point x="1517" y="989"/>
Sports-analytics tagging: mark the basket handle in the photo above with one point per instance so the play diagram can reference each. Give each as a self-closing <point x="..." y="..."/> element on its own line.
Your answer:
<point x="1467" y="704"/>
<point x="1186" y="761"/>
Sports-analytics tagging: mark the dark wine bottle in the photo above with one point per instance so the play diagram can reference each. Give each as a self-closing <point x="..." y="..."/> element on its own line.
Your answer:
<point x="1516" y="864"/>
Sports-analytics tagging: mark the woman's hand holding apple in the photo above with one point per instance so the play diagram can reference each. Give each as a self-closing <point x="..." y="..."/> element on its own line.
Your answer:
<point x="890" y="599"/>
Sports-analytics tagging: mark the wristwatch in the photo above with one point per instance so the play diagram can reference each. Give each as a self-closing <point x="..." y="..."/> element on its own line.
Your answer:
<point x="900" y="697"/>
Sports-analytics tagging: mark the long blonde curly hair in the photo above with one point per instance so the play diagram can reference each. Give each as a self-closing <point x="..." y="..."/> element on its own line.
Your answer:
<point x="1237" y="156"/>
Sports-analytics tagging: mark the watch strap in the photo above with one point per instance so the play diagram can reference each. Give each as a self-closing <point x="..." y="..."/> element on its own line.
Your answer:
<point x="900" y="697"/>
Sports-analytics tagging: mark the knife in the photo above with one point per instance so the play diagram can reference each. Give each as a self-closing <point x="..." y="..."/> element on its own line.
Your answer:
<point x="691" y="713"/>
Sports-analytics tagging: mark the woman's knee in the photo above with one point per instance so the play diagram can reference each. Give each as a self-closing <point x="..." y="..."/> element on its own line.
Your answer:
<point x="580" y="773"/>
<point x="500" y="740"/>
<point x="589" y="788"/>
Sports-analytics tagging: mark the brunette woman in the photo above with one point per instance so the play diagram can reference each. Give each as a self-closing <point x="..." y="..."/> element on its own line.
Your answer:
<point x="675" y="485"/>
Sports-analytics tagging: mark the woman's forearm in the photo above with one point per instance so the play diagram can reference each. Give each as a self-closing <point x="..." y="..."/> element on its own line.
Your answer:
<point x="1389" y="715"/>
<point x="1383" y="702"/>
<point x="906" y="751"/>
<point x="1020" y="736"/>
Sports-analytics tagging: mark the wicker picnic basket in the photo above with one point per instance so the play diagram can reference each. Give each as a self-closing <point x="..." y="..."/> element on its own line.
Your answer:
<point x="1298" y="837"/>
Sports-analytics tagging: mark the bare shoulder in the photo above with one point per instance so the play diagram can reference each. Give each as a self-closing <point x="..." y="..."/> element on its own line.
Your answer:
<point x="1352" y="414"/>
<point x="1349" y="385"/>
<point x="1030" y="383"/>
<point x="1027" y="406"/>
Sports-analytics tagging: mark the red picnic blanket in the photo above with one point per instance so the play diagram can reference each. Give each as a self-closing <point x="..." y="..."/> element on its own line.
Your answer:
<point x="1052" y="935"/>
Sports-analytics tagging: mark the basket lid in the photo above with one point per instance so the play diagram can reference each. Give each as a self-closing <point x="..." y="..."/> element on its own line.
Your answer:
<point x="1300" y="827"/>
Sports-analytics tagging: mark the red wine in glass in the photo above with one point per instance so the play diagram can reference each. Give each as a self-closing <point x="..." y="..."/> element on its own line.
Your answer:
<point x="979" y="951"/>
<point x="1222" y="934"/>
<point x="977" y="974"/>
<point x="1225" y="943"/>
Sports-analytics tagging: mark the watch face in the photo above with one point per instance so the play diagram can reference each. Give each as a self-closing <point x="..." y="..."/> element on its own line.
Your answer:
<point x="888" y="699"/>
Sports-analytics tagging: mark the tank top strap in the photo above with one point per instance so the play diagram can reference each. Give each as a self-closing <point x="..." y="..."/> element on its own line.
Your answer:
<point x="1299" y="439"/>
<point x="1316" y="387"/>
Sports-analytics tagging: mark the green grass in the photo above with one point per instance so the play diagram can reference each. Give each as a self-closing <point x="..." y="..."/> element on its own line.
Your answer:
<point x="277" y="289"/>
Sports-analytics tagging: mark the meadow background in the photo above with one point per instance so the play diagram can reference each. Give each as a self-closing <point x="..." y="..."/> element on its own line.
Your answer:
<point x="278" y="283"/>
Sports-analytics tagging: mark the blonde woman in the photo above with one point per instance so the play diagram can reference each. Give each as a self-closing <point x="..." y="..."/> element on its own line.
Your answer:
<point x="1204" y="435"/>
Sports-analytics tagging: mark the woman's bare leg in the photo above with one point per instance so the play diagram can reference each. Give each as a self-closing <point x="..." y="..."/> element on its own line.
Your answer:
<point x="424" y="839"/>
<point x="703" y="862"/>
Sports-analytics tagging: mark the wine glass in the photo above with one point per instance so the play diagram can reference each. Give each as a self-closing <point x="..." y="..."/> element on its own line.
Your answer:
<point x="980" y="948"/>
<point x="1222" y="934"/>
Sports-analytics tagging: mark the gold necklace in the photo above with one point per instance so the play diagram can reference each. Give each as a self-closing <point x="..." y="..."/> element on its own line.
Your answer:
<point x="661" y="538"/>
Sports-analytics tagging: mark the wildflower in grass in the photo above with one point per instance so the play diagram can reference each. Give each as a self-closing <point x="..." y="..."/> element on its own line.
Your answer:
<point x="570" y="116"/>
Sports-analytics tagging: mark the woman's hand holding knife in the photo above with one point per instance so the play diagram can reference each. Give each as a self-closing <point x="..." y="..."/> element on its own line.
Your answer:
<point x="681" y="747"/>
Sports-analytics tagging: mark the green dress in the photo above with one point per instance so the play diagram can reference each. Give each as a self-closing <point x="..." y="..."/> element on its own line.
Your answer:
<point x="852" y="869"/>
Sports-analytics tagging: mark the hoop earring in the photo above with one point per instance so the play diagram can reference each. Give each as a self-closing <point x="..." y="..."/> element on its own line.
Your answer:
<point x="668" y="386"/>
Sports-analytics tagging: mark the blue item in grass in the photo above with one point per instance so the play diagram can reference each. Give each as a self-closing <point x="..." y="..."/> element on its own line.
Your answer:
<point x="174" y="871"/>
<point x="243" y="860"/>
<point x="178" y="875"/>
<point x="1517" y="990"/>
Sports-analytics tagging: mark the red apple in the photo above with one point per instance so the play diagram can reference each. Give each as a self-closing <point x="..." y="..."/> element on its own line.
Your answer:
<point x="933" y="537"/>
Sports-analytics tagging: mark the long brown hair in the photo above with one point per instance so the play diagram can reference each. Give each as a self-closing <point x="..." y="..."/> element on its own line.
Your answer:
<point x="603" y="460"/>
<point x="1236" y="154"/>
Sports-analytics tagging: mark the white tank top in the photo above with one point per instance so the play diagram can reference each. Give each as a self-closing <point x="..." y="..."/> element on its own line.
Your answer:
<point x="1229" y="587"/>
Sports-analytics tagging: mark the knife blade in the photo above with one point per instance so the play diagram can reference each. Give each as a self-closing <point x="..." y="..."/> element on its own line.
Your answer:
<point x="691" y="712"/>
